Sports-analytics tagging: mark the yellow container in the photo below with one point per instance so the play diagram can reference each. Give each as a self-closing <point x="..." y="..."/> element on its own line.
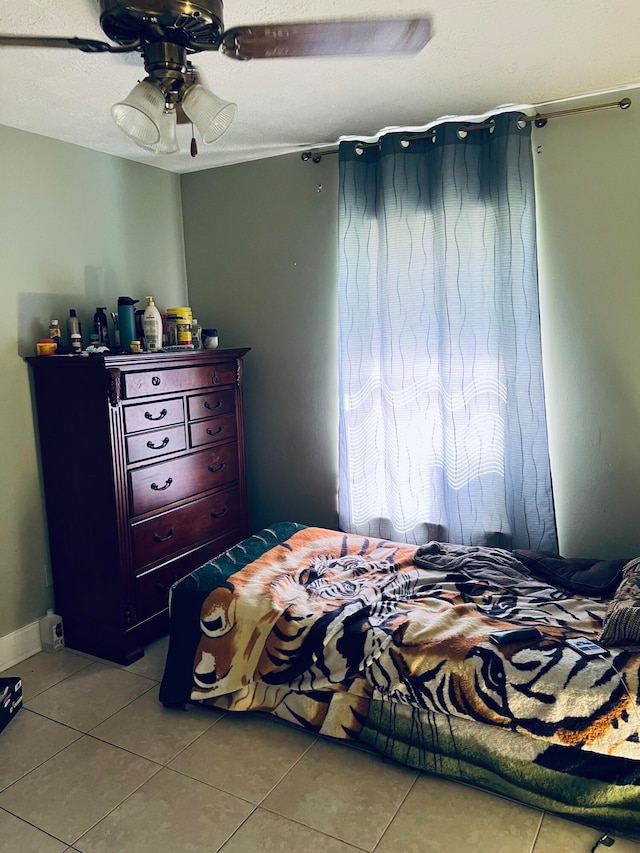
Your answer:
<point x="182" y="314"/>
<point x="46" y="346"/>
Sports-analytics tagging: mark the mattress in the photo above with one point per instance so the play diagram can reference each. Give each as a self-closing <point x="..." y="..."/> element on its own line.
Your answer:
<point x="349" y="638"/>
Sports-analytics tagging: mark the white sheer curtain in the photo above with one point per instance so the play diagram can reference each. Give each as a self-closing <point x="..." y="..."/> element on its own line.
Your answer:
<point x="442" y="418"/>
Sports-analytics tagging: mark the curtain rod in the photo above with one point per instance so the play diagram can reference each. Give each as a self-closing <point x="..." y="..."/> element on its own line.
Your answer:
<point x="539" y="119"/>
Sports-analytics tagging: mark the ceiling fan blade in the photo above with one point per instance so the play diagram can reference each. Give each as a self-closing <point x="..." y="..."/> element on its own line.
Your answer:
<point x="86" y="45"/>
<point x="383" y="37"/>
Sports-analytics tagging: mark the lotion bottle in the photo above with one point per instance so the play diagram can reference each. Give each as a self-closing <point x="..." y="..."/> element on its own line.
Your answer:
<point x="152" y="325"/>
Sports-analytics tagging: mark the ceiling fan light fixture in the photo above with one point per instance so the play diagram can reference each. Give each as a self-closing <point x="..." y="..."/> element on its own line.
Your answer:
<point x="210" y="114"/>
<point x="139" y="115"/>
<point x="168" y="142"/>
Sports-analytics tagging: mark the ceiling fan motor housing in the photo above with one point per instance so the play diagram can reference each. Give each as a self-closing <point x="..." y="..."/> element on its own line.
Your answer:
<point x="192" y="23"/>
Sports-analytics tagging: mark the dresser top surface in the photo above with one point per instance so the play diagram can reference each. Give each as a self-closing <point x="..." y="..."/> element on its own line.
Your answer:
<point x="138" y="361"/>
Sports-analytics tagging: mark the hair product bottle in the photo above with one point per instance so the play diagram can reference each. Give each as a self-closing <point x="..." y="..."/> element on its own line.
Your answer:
<point x="100" y="326"/>
<point x="75" y="331"/>
<point x="152" y="325"/>
<point x="56" y="334"/>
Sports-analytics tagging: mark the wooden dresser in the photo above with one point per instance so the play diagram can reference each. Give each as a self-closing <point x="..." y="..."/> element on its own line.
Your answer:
<point x="144" y="479"/>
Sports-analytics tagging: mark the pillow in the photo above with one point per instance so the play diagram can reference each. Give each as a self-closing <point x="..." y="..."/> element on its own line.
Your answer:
<point x="595" y="578"/>
<point x="621" y="624"/>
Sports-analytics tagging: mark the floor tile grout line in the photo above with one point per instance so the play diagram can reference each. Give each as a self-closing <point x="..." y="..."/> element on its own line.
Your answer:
<point x="55" y="683"/>
<point x="191" y="743"/>
<point x="34" y="826"/>
<point x="395" y="814"/>
<point x="42" y="763"/>
<point x="538" y="830"/>
<point x="117" y="806"/>
<point x="229" y="837"/>
<point x="88" y="735"/>
<point x="295" y="764"/>
<point x="138" y="754"/>
<point x="126" y="705"/>
<point x="314" y="828"/>
<point x="60" y="722"/>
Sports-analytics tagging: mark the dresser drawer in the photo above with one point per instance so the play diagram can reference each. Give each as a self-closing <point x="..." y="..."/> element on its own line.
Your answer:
<point x="170" y="533"/>
<point x="208" y="405"/>
<point x="145" y="416"/>
<point x="215" y="429"/>
<point x="152" y="587"/>
<point x="165" y="483"/>
<point x="145" y="383"/>
<point x="158" y="442"/>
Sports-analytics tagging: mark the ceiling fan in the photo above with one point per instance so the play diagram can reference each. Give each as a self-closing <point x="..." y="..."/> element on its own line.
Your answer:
<point x="167" y="32"/>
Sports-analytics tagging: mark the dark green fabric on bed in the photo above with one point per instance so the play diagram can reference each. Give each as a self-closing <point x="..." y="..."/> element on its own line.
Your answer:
<point x="601" y="791"/>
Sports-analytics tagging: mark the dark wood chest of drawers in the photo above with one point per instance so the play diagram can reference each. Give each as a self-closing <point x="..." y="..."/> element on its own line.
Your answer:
<point x="144" y="478"/>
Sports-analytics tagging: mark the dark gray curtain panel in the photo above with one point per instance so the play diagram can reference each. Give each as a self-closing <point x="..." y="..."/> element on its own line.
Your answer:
<point x="442" y="415"/>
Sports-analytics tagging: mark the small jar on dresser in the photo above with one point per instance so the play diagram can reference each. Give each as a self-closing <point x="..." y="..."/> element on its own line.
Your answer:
<point x="144" y="477"/>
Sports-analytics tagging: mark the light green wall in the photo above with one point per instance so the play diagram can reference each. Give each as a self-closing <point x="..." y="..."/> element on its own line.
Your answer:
<point x="588" y="208"/>
<point x="260" y="242"/>
<point x="77" y="229"/>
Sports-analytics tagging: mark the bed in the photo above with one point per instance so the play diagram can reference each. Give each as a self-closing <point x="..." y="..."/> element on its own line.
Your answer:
<point x="388" y="644"/>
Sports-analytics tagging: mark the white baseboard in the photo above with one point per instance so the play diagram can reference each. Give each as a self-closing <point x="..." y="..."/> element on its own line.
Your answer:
<point x="19" y="645"/>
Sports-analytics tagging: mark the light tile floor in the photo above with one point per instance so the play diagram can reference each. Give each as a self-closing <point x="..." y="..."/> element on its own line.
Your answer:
<point x="94" y="763"/>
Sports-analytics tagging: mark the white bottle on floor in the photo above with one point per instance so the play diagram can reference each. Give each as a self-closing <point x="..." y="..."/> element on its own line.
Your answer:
<point x="51" y="632"/>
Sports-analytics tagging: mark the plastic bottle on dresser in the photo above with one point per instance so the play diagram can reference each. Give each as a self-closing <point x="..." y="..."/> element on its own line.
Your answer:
<point x="75" y="331"/>
<point x="101" y="326"/>
<point x="51" y="632"/>
<point x="152" y="324"/>
<point x="196" y="334"/>
<point x="56" y="334"/>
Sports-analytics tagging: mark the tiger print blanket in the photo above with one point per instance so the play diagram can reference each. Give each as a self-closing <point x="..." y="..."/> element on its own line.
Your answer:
<point x="323" y="622"/>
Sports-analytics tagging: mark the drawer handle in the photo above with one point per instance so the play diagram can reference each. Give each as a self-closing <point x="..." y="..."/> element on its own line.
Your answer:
<point x="155" y="381"/>
<point x="214" y="431"/>
<point x="153" y="446"/>
<point x="158" y="538"/>
<point x="215" y="379"/>
<point x="219" y="468"/>
<point x="157" y="488"/>
<point x="220" y="514"/>
<point x="150" y="417"/>
<point x="208" y="405"/>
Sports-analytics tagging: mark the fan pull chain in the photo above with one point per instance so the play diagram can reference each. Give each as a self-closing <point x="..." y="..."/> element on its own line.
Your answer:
<point x="194" y="144"/>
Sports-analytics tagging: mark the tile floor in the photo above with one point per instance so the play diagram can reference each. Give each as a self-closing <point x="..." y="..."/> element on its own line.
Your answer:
<point x="94" y="763"/>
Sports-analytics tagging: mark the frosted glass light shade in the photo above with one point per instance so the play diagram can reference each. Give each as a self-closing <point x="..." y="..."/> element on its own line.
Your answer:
<point x="210" y="114"/>
<point x="140" y="113"/>
<point x="168" y="142"/>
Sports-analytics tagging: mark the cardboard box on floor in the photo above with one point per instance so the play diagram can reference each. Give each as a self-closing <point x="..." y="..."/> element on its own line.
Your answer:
<point x="10" y="699"/>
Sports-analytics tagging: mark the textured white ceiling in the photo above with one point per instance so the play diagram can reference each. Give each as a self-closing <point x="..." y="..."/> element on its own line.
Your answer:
<point x="483" y="54"/>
